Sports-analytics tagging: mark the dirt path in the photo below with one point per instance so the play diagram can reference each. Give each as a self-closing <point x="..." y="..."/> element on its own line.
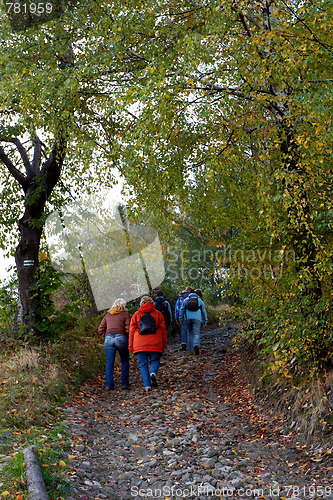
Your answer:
<point x="198" y="434"/>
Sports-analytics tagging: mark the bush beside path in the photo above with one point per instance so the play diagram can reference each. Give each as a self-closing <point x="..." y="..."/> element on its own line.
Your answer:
<point x="199" y="434"/>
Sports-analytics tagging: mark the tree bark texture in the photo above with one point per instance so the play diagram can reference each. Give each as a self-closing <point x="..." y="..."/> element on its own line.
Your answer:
<point x="36" y="485"/>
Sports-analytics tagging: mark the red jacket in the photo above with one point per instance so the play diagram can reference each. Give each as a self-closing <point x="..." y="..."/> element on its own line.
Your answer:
<point x="156" y="342"/>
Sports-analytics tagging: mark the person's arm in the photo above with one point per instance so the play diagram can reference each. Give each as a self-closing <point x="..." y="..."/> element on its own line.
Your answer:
<point x="203" y="313"/>
<point x="177" y="308"/>
<point x="102" y="327"/>
<point x="162" y="329"/>
<point x="182" y="310"/>
<point x="132" y="328"/>
<point x="127" y="323"/>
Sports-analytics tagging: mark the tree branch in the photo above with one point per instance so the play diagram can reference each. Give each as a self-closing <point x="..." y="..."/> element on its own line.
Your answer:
<point x="268" y="16"/>
<point x="18" y="176"/>
<point x="24" y="156"/>
<point x="242" y="20"/>
<point x="227" y="144"/>
<point x="52" y="167"/>
<point x="37" y="155"/>
<point x="217" y="88"/>
<point x="299" y="19"/>
<point x="255" y="22"/>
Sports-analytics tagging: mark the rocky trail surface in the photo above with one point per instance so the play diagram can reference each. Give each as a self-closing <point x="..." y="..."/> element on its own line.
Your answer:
<point x="199" y="435"/>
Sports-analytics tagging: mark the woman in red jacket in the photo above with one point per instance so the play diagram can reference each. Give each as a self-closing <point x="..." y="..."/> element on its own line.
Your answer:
<point x="147" y="340"/>
<point x="114" y="328"/>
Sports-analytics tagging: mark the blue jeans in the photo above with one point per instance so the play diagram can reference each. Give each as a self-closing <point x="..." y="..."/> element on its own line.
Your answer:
<point x="144" y="359"/>
<point x="116" y="342"/>
<point x="183" y="338"/>
<point x="193" y="327"/>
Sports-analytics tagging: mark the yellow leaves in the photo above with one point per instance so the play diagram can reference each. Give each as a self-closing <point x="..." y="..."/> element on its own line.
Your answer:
<point x="62" y="464"/>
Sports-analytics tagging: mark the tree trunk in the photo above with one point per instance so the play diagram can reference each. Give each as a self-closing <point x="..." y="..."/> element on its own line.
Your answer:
<point x="37" y="185"/>
<point x="36" y="485"/>
<point x="27" y="255"/>
<point x="26" y="258"/>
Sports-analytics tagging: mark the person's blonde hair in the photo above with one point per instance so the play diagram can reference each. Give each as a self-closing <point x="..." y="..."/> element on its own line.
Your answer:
<point x="145" y="299"/>
<point x="118" y="305"/>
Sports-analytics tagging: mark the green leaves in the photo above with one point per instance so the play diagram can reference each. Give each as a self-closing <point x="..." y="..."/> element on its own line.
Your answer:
<point x="216" y="115"/>
<point x="232" y="135"/>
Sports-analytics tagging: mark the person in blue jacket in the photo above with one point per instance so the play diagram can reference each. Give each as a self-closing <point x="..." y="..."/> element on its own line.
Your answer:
<point x="193" y="313"/>
<point x="181" y="298"/>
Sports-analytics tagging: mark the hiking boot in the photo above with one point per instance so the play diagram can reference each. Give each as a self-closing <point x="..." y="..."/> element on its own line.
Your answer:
<point x="196" y="350"/>
<point x="153" y="379"/>
<point x="126" y="387"/>
<point x="107" y="388"/>
<point x="148" y="388"/>
<point x="183" y="347"/>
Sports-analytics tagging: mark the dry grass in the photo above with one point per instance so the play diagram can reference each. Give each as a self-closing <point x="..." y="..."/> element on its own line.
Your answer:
<point x="312" y="405"/>
<point x="36" y="379"/>
<point x="303" y="400"/>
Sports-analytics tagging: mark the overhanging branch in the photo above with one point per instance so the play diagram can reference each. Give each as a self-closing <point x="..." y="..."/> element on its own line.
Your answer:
<point x="18" y="176"/>
<point x="24" y="156"/>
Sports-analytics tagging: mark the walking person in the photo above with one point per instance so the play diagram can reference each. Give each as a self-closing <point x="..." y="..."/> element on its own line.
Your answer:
<point x="162" y="305"/>
<point x="115" y="329"/>
<point x="193" y="314"/>
<point x="184" y="333"/>
<point x="147" y="340"/>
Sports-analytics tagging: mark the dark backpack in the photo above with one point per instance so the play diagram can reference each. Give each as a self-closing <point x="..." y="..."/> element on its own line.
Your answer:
<point x="147" y="324"/>
<point x="162" y="306"/>
<point x="192" y="304"/>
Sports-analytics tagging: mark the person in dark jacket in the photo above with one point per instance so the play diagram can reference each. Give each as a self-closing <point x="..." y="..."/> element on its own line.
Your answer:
<point x="115" y="329"/>
<point x="193" y="314"/>
<point x="183" y="338"/>
<point x="162" y="305"/>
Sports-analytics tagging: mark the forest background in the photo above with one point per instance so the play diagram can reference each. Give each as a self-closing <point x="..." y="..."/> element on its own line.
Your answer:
<point x="218" y="117"/>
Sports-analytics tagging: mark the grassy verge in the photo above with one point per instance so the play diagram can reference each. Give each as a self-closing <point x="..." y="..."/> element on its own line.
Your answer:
<point x="49" y="443"/>
<point x="302" y="398"/>
<point x="34" y="381"/>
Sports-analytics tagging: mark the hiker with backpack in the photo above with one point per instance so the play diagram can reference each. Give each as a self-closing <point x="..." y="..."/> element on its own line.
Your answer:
<point x="115" y="328"/>
<point x="184" y="333"/>
<point x="193" y="314"/>
<point x="147" y="340"/>
<point x="162" y="305"/>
